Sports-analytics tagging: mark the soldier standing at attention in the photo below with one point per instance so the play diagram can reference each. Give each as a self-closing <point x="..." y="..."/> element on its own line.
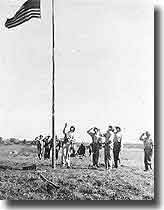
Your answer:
<point x="117" y="139"/>
<point x="148" y="149"/>
<point x="108" y="147"/>
<point x="46" y="148"/>
<point x="39" y="146"/>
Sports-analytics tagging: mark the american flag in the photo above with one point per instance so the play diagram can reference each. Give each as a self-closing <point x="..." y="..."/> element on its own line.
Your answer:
<point x="30" y="9"/>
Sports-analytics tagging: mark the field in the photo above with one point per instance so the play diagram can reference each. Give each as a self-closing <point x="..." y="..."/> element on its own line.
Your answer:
<point x="128" y="182"/>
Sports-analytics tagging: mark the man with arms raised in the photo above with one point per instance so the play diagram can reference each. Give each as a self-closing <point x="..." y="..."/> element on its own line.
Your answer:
<point x="148" y="149"/>
<point x="67" y="144"/>
<point x="96" y="144"/>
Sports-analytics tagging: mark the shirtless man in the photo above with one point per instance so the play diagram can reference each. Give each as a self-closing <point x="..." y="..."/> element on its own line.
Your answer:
<point x="67" y="143"/>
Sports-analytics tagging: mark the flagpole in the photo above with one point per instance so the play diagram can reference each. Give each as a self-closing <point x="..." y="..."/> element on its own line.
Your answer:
<point x="53" y="92"/>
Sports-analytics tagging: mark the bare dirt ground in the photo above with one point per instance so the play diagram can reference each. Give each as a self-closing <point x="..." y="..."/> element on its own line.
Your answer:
<point x="128" y="182"/>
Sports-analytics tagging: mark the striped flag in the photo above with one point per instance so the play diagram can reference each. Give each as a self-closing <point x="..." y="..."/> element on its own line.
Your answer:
<point x="30" y="9"/>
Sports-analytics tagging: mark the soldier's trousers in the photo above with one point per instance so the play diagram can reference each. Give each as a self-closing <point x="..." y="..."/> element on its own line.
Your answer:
<point x="39" y="153"/>
<point x="107" y="157"/>
<point x="95" y="156"/>
<point x="65" y="159"/>
<point x="46" y="153"/>
<point x="147" y="157"/>
<point x="116" y="156"/>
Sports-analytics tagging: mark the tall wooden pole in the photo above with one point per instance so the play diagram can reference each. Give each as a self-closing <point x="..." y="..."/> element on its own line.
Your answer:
<point x="53" y="92"/>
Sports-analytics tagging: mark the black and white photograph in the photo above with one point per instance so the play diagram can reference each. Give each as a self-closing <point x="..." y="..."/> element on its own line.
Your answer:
<point x="77" y="100"/>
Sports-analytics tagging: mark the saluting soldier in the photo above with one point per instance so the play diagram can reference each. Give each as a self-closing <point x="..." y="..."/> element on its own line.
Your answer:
<point x="148" y="149"/>
<point x="96" y="144"/>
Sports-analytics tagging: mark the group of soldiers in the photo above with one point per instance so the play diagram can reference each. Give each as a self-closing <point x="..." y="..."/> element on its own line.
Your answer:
<point x="44" y="146"/>
<point x="111" y="141"/>
<point x="111" y="144"/>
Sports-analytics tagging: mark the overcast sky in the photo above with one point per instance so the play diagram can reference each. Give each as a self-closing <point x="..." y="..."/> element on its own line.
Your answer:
<point x="104" y="68"/>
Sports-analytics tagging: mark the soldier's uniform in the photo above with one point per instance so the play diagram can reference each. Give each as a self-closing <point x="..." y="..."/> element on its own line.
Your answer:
<point x="39" y="146"/>
<point x="107" y="149"/>
<point x="96" y="152"/>
<point x="148" y="150"/>
<point x="116" y="147"/>
<point x="96" y="146"/>
<point x="46" y="149"/>
<point x="39" y="149"/>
